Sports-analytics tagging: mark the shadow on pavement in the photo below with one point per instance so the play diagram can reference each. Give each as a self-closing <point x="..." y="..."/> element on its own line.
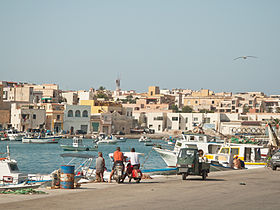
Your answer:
<point x="207" y="179"/>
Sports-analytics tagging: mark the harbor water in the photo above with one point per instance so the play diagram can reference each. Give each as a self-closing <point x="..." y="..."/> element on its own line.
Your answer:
<point x="45" y="158"/>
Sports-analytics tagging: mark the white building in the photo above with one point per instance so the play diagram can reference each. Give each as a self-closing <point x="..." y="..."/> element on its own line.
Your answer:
<point x="76" y="117"/>
<point x="27" y="116"/>
<point x="71" y="97"/>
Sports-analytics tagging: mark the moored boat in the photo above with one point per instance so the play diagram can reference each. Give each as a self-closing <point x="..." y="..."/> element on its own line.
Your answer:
<point x="145" y="139"/>
<point x="78" y="145"/>
<point x="41" y="138"/>
<point x="203" y="142"/>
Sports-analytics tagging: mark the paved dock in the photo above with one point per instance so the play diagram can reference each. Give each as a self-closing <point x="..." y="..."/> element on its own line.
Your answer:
<point x="244" y="189"/>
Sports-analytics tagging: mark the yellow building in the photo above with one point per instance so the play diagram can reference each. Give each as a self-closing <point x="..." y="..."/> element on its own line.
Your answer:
<point x="54" y="116"/>
<point x="153" y="90"/>
<point x="102" y="106"/>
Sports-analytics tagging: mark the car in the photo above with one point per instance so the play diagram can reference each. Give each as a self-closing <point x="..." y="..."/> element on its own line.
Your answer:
<point x="275" y="160"/>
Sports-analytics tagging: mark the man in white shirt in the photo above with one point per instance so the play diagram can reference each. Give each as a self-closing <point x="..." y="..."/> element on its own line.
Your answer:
<point x="134" y="159"/>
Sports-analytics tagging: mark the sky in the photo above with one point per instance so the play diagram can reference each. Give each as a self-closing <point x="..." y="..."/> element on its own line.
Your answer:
<point x="168" y="43"/>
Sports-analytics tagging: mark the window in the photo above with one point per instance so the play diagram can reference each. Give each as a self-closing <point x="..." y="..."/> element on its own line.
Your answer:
<point x="70" y="113"/>
<point x="159" y="127"/>
<point x="234" y="151"/>
<point x="224" y="150"/>
<point x="174" y="118"/>
<point x="207" y="119"/>
<point x="158" y="118"/>
<point x="233" y="102"/>
<point x="78" y="113"/>
<point x="195" y="119"/>
<point x="34" y="116"/>
<point x="58" y="117"/>
<point x="250" y="102"/>
<point x="196" y="102"/>
<point x="186" y="120"/>
<point x="85" y="113"/>
<point x="213" y="102"/>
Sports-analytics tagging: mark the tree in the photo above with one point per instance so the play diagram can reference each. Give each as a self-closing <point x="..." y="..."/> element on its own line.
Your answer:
<point x="206" y="111"/>
<point x="246" y="109"/>
<point x="101" y="88"/>
<point x="187" y="109"/>
<point x="174" y="108"/>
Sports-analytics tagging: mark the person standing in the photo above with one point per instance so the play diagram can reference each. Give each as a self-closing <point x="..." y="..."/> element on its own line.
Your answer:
<point x="100" y="168"/>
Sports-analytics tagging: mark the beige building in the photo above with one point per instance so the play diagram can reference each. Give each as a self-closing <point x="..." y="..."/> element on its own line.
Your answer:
<point x="70" y="97"/>
<point x="111" y="123"/>
<point x="19" y="94"/>
<point x="50" y="92"/>
<point x="27" y="116"/>
<point x="54" y="116"/>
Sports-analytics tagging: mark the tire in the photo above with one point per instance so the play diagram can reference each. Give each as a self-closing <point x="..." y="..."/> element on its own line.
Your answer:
<point x="204" y="174"/>
<point x="184" y="176"/>
<point x="274" y="168"/>
<point x="118" y="180"/>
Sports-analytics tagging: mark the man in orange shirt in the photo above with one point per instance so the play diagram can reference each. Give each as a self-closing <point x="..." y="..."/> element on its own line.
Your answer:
<point x="118" y="158"/>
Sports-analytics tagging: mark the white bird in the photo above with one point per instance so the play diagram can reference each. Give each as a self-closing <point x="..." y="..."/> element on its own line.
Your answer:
<point x="245" y="57"/>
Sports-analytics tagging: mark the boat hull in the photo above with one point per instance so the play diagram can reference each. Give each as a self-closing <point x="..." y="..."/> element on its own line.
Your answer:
<point x="71" y="148"/>
<point x="51" y="140"/>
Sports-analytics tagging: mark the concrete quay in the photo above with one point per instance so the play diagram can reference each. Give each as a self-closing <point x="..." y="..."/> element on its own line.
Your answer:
<point x="244" y="189"/>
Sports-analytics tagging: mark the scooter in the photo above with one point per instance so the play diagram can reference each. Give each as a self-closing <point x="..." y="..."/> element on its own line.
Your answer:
<point x="133" y="172"/>
<point x="118" y="173"/>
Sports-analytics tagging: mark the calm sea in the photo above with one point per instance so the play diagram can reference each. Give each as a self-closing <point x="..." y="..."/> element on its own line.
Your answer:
<point x="45" y="158"/>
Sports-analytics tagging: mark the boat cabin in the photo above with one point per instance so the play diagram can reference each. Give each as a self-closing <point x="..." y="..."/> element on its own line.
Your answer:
<point x="77" y="142"/>
<point x="245" y="152"/>
<point x="9" y="172"/>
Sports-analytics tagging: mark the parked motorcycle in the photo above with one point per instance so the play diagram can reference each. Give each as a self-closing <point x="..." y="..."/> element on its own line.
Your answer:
<point x="118" y="173"/>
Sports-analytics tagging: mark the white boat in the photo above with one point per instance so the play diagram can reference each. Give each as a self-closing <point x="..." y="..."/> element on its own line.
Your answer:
<point x="14" y="135"/>
<point x="77" y="145"/>
<point x="108" y="140"/>
<point x="202" y="141"/>
<point x="145" y="139"/>
<point x="249" y="153"/>
<point x="40" y="138"/>
<point x="11" y="177"/>
<point x="121" y="139"/>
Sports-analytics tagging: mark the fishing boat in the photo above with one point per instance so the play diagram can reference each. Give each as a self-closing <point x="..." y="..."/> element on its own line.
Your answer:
<point x="145" y="139"/>
<point x="41" y="138"/>
<point x="249" y="153"/>
<point x="77" y="145"/>
<point x="14" y="135"/>
<point x="11" y="177"/>
<point x="204" y="142"/>
<point x="121" y="139"/>
<point x="108" y="140"/>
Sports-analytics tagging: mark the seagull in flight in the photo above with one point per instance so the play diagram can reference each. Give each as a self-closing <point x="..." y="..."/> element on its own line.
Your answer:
<point x="245" y="57"/>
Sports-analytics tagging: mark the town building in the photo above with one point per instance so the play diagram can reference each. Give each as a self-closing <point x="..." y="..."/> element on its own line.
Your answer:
<point x="27" y="116"/>
<point x="99" y="106"/>
<point x="54" y="116"/>
<point x="77" y="117"/>
<point x="70" y="97"/>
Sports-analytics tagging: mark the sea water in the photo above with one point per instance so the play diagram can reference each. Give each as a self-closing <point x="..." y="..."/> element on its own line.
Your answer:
<point x="45" y="158"/>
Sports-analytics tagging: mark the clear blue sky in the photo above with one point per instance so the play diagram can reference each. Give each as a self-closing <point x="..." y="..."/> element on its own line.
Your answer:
<point x="172" y="44"/>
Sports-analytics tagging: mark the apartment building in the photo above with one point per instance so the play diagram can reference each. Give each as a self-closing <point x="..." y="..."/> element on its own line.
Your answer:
<point x="76" y="117"/>
<point x="54" y="116"/>
<point x="27" y="116"/>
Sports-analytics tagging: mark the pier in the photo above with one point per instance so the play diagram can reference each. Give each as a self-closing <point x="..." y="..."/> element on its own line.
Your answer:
<point x="239" y="189"/>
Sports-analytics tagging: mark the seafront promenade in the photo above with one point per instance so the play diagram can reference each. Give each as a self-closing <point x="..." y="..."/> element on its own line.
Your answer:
<point x="245" y="189"/>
